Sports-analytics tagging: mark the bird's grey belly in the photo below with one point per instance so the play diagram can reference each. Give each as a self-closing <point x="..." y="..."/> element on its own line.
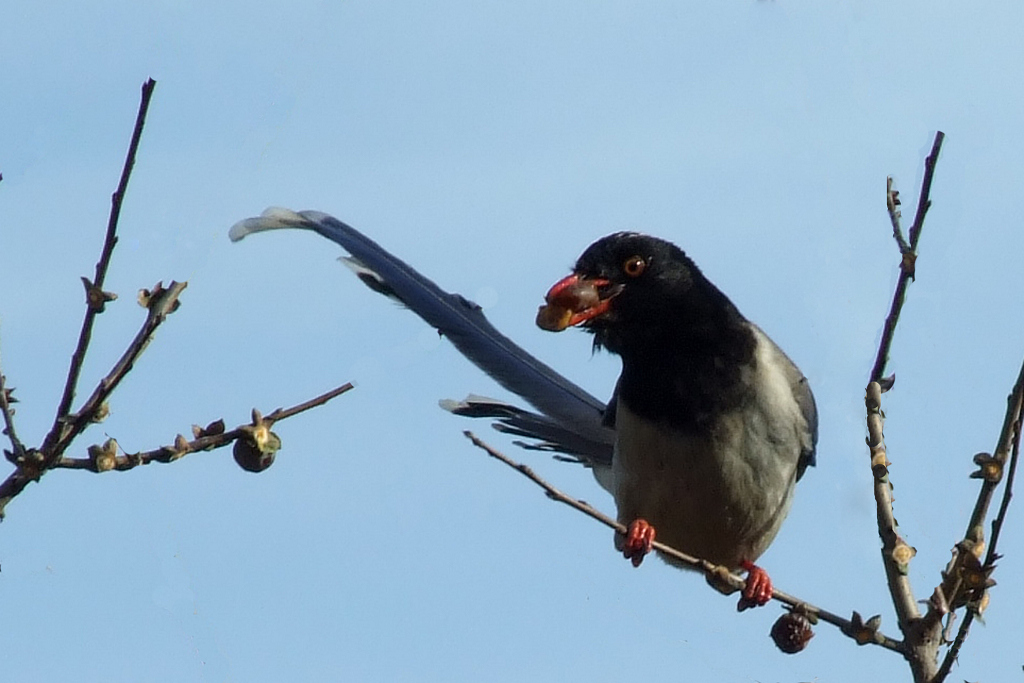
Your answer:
<point x="721" y="497"/>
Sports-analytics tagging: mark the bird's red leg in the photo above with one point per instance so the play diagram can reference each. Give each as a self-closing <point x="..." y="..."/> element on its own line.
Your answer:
<point x="639" y="540"/>
<point x="758" y="590"/>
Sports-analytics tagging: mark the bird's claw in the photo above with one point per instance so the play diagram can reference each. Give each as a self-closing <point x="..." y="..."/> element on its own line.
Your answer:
<point x="758" y="590"/>
<point x="639" y="541"/>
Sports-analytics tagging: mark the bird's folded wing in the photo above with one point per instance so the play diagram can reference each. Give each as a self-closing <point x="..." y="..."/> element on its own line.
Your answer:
<point x="572" y="418"/>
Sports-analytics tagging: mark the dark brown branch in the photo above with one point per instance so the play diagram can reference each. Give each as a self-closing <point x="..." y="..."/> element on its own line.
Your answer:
<point x="285" y="413"/>
<point x="718" y="574"/>
<point x="95" y="296"/>
<point x="965" y="582"/>
<point x="1011" y="473"/>
<point x="1009" y="437"/>
<point x="202" y="442"/>
<point x="160" y="303"/>
<point x="923" y="201"/>
<point x="17" y="447"/>
<point x="907" y="265"/>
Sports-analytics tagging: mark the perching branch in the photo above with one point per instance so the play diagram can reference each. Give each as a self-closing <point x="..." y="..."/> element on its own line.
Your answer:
<point x="856" y="628"/>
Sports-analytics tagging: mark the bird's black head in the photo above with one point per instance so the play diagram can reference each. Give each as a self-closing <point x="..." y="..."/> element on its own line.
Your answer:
<point x="634" y="290"/>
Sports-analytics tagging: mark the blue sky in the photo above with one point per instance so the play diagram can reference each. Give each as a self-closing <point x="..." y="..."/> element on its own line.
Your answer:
<point x="487" y="144"/>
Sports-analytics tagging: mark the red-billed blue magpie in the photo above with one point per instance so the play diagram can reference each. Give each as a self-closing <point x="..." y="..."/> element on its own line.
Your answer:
<point x="710" y="426"/>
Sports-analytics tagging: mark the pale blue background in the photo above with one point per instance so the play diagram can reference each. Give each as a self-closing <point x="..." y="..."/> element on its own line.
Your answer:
<point x="487" y="143"/>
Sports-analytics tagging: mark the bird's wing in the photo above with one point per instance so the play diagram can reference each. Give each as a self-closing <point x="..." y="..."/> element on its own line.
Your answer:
<point x="805" y="399"/>
<point x="572" y="418"/>
<point x="801" y="389"/>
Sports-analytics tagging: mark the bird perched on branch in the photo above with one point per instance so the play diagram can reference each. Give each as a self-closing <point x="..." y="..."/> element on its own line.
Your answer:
<point x="710" y="426"/>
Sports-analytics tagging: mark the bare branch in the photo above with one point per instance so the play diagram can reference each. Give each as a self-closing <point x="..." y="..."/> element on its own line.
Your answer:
<point x="966" y="581"/>
<point x="923" y="202"/>
<point x="95" y="296"/>
<point x="921" y="636"/>
<point x="909" y="258"/>
<point x="997" y="524"/>
<point x="896" y="554"/>
<point x="892" y="202"/>
<point x="17" y="447"/>
<point x="205" y="440"/>
<point x="285" y="413"/>
<point x="160" y="303"/>
<point x="717" y="574"/>
<point x="991" y="472"/>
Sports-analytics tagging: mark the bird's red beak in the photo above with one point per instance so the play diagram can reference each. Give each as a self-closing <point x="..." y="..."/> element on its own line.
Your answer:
<point x="573" y="300"/>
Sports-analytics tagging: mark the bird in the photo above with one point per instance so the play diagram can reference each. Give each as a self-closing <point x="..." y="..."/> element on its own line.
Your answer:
<point x="710" y="424"/>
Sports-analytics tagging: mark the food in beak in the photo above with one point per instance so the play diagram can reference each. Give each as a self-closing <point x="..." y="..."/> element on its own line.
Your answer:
<point x="571" y="301"/>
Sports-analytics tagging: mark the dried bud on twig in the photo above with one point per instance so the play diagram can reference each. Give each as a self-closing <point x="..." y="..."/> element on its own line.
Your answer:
<point x="95" y="298"/>
<point x="864" y="632"/>
<point x="148" y="297"/>
<point x="102" y="413"/>
<point x="989" y="468"/>
<point x="213" y="429"/>
<point x="104" y="458"/>
<point x="902" y="554"/>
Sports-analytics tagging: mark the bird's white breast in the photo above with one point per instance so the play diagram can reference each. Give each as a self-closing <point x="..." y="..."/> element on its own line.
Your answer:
<point x="722" y="495"/>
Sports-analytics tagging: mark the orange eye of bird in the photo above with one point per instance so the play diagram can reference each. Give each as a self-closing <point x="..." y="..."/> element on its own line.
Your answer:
<point x="634" y="266"/>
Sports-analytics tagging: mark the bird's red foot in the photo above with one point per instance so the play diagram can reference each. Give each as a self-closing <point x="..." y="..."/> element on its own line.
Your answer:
<point x="758" y="590"/>
<point x="639" y="541"/>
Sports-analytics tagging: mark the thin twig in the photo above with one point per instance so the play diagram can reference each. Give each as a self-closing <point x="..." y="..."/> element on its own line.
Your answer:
<point x="95" y="296"/>
<point x="908" y="263"/>
<point x="719" y="574"/>
<point x="923" y="201"/>
<point x="1007" y="448"/>
<point x="17" y="447"/>
<point x="1011" y="475"/>
<point x="285" y="413"/>
<point x="892" y="202"/>
<point x="1008" y="437"/>
<point x="202" y="442"/>
<point x="161" y="302"/>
